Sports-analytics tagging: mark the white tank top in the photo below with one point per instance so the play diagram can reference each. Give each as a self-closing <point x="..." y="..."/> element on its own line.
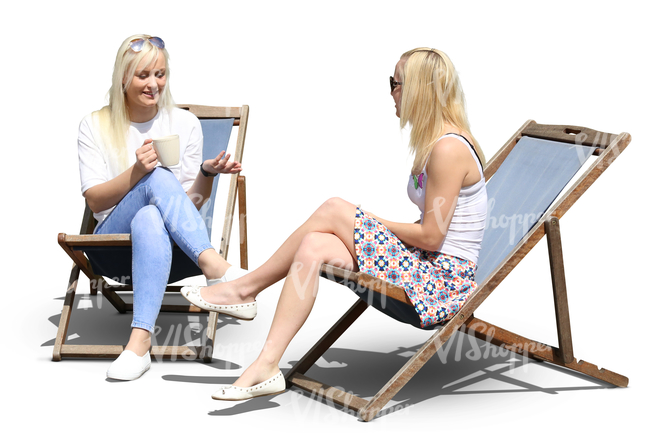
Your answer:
<point x="466" y="228"/>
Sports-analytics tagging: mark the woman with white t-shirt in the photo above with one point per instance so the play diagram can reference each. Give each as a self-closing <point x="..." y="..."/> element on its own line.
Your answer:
<point x="129" y="192"/>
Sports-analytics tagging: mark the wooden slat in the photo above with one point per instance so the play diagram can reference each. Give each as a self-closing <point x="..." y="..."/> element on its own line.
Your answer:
<point x="113" y="351"/>
<point x="208" y="112"/>
<point x="570" y="134"/>
<point x="170" y="308"/>
<point x="330" y="393"/>
<point x="533" y="349"/>
<point x="243" y="230"/>
<point x="64" y="321"/>
<point x="210" y="333"/>
<point x="381" y="287"/>
<point x="232" y="190"/>
<point x="552" y="228"/>
<point x="114" y="240"/>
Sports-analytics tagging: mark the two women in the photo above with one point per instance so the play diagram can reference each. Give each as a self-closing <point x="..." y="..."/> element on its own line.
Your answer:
<point x="433" y="260"/>
<point x="129" y="192"/>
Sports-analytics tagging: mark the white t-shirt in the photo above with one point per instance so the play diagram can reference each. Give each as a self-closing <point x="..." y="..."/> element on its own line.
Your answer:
<point x="97" y="165"/>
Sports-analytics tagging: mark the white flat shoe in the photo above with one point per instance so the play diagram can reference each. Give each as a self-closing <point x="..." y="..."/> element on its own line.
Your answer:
<point x="272" y="386"/>
<point x="240" y="311"/>
<point x="129" y="366"/>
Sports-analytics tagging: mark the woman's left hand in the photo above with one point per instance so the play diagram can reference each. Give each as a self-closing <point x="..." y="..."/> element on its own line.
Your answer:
<point x="220" y="164"/>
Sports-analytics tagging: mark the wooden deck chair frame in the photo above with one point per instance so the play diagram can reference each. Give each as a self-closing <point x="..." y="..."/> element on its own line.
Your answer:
<point x="607" y="149"/>
<point x="86" y="238"/>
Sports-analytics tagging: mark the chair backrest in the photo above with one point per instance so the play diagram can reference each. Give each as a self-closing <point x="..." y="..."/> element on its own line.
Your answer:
<point x="216" y="136"/>
<point x="528" y="181"/>
<point x="217" y="123"/>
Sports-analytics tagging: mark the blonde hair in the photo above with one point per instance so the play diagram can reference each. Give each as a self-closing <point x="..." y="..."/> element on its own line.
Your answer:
<point x="113" y="119"/>
<point x="431" y="96"/>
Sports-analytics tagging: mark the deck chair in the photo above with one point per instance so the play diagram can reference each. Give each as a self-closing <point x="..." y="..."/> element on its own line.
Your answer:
<point x="217" y="124"/>
<point x="526" y="176"/>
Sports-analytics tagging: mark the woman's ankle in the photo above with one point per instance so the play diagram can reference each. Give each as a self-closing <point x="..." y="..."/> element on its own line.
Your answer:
<point x="139" y="341"/>
<point x="212" y="264"/>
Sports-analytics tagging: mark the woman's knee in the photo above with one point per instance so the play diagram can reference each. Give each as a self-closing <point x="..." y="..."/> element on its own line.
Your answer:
<point x="163" y="177"/>
<point x="311" y="248"/>
<point x="147" y="219"/>
<point x="335" y="207"/>
<point x="317" y="247"/>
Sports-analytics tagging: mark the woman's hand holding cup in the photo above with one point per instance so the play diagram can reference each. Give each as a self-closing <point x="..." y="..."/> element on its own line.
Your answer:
<point x="146" y="158"/>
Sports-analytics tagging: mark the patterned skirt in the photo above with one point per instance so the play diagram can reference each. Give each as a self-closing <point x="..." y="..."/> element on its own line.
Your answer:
<point x="437" y="284"/>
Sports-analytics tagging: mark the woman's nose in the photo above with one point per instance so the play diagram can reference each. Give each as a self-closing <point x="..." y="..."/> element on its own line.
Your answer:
<point x="153" y="83"/>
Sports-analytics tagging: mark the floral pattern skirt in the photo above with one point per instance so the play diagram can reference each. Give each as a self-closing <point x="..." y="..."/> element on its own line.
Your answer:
<point x="437" y="284"/>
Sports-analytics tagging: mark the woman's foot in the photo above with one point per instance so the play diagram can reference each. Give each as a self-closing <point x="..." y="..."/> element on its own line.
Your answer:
<point x="258" y="380"/>
<point x="129" y="366"/>
<point x="222" y="298"/>
<point x="257" y="373"/>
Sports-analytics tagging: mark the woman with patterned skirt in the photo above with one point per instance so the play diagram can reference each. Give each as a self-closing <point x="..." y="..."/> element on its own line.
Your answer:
<point x="433" y="260"/>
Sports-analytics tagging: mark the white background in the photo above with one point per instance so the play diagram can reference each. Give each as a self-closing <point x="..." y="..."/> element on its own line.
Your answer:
<point x="322" y="124"/>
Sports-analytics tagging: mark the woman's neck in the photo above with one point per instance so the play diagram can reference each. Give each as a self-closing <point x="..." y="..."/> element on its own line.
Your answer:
<point x="142" y="115"/>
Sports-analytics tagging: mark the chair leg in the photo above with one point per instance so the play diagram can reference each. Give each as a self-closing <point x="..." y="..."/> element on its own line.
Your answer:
<point x="552" y="227"/>
<point x="367" y="409"/>
<point x="414" y="364"/>
<point x="243" y="230"/>
<point x="64" y="322"/>
<point x="210" y="334"/>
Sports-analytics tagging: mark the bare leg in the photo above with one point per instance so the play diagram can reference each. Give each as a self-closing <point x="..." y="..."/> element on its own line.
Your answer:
<point x="212" y="264"/>
<point x="296" y="300"/>
<point x="335" y="216"/>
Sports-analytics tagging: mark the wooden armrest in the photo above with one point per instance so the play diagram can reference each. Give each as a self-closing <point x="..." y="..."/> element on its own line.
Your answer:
<point x="369" y="282"/>
<point x="95" y="240"/>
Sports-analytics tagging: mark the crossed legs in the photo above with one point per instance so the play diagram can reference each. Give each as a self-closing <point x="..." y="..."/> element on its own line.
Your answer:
<point x="326" y="237"/>
<point x="157" y="212"/>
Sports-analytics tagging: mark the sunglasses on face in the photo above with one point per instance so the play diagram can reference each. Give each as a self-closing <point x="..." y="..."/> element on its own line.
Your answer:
<point x="136" y="45"/>
<point x="393" y="84"/>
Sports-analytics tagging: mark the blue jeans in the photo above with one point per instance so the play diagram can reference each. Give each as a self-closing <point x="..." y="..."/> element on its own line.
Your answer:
<point x="157" y="212"/>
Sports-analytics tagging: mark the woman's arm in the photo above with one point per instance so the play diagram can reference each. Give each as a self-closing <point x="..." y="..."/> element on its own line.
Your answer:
<point x="200" y="190"/>
<point x="446" y="171"/>
<point x="108" y="194"/>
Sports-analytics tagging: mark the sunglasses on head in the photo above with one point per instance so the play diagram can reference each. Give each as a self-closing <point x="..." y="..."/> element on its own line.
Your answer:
<point x="393" y="84"/>
<point x="136" y="45"/>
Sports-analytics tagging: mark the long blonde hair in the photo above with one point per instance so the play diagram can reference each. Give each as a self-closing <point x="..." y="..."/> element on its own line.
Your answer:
<point x="113" y="119"/>
<point x="431" y="96"/>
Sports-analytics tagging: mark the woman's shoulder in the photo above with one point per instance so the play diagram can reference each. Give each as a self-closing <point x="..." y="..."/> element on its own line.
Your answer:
<point x="450" y="147"/>
<point x="91" y="120"/>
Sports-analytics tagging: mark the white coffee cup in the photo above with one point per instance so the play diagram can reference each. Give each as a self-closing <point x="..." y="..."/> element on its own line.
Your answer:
<point x="168" y="150"/>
